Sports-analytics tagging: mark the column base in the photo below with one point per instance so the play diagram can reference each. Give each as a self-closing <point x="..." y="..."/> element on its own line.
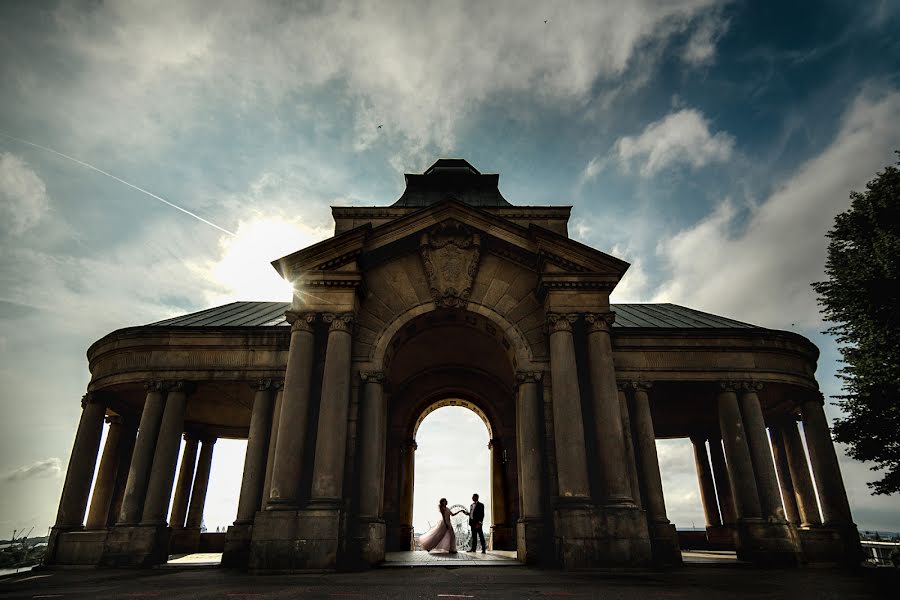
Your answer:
<point x="371" y="539"/>
<point x="236" y="553"/>
<point x="831" y="545"/>
<point x="532" y="544"/>
<point x="75" y="547"/>
<point x="503" y="537"/>
<point x="664" y="544"/>
<point x="768" y="543"/>
<point x="590" y="536"/>
<point x="136" y="546"/>
<point x="720" y="537"/>
<point x="294" y="541"/>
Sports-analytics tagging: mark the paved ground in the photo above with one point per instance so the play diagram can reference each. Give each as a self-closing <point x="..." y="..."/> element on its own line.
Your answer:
<point x="701" y="581"/>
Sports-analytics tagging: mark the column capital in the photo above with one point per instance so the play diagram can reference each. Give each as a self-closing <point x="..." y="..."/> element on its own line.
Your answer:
<point x="188" y="387"/>
<point x="600" y="322"/>
<point x="338" y="321"/>
<point x="529" y="376"/>
<point x="750" y="386"/>
<point x="277" y="384"/>
<point x="89" y="398"/>
<point x="189" y="436"/>
<point x="640" y="386"/>
<point x="817" y="396"/>
<point x="410" y="443"/>
<point x="561" y="321"/>
<point x="493" y="442"/>
<point x="300" y="321"/>
<point x="372" y="376"/>
<point x="261" y="385"/>
<point x="154" y="386"/>
<point x="729" y="386"/>
<point x="622" y="386"/>
<point x="699" y="438"/>
<point x="114" y="419"/>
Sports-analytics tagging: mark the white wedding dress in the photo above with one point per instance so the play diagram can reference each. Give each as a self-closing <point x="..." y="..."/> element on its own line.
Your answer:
<point x="441" y="537"/>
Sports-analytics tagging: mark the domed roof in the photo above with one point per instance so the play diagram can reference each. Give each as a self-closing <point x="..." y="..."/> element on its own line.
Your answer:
<point x="451" y="178"/>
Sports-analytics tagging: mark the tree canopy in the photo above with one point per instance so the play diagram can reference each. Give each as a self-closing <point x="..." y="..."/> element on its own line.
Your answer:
<point x="861" y="299"/>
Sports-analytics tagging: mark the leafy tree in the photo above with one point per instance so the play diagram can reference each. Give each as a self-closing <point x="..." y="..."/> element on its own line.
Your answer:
<point x="861" y="298"/>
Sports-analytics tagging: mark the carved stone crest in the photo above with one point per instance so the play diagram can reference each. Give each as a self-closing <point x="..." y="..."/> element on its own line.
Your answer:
<point x="450" y="254"/>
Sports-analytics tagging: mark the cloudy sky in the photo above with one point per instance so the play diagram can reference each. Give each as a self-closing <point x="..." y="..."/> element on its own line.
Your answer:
<point x="709" y="144"/>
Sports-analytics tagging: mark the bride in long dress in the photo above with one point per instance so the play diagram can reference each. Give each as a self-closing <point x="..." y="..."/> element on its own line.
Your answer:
<point x="441" y="538"/>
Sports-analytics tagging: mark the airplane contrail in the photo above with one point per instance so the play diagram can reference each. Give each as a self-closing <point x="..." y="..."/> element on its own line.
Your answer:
<point x="120" y="180"/>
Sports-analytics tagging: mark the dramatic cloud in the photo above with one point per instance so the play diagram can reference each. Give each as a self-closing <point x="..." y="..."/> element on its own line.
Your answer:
<point x="761" y="271"/>
<point x="681" y="138"/>
<point x="415" y="68"/>
<point x="23" y="195"/>
<point x="50" y="467"/>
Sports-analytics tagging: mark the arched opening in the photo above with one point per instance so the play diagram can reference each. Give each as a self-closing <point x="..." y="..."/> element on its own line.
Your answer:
<point x="453" y="461"/>
<point x="440" y="359"/>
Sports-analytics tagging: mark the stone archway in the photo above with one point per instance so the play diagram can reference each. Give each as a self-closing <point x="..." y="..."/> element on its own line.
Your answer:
<point x="445" y="358"/>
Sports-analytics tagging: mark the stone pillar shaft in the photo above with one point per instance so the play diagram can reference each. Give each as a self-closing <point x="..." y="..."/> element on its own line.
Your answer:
<point x="568" y="421"/>
<point x="705" y="479"/>
<point x="788" y="494"/>
<point x="331" y="442"/>
<point x="273" y="440"/>
<point x="760" y="453"/>
<point x="201" y="485"/>
<point x="77" y="487"/>
<point x="106" y="477"/>
<point x="407" y="481"/>
<point x="373" y="432"/>
<point x="142" y="457"/>
<point x="185" y="480"/>
<point x="614" y="479"/>
<point x="528" y="430"/>
<point x="653" y="500"/>
<point x="799" y="469"/>
<point x="740" y="465"/>
<point x="292" y="424"/>
<point x="165" y="459"/>
<point x="631" y="461"/>
<point x="723" y="482"/>
<point x="126" y="449"/>
<point x="824" y="461"/>
<point x="498" y="493"/>
<point x="257" y="450"/>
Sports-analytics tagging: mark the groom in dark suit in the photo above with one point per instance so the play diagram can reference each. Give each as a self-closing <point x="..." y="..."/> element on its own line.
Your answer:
<point x="476" y="520"/>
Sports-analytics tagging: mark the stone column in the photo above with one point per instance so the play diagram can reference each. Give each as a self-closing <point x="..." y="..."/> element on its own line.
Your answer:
<point x="740" y="465"/>
<point x="530" y="529"/>
<point x="372" y="448"/>
<point x="824" y="461"/>
<point x="273" y="439"/>
<point x="723" y="482"/>
<point x="663" y="538"/>
<point x="105" y="484"/>
<point x="257" y="451"/>
<point x="807" y="505"/>
<point x="201" y="484"/>
<point x="705" y="478"/>
<point x="630" y="459"/>
<point x="760" y="452"/>
<point x="285" y="484"/>
<point x="126" y="449"/>
<point x="783" y="469"/>
<point x="165" y="459"/>
<point x="77" y="487"/>
<point x="614" y="480"/>
<point x="568" y="421"/>
<point x="185" y="480"/>
<point x="142" y="457"/>
<point x="407" y="481"/>
<point x="501" y="533"/>
<point x="331" y="442"/>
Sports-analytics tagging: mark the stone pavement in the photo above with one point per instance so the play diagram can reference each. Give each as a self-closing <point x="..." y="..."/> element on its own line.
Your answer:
<point x="702" y="581"/>
<point x="419" y="558"/>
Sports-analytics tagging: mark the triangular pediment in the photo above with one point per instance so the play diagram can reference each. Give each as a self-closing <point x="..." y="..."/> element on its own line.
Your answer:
<point x="546" y="250"/>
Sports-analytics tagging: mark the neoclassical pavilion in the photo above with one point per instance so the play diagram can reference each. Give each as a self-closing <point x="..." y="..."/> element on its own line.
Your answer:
<point x="451" y="295"/>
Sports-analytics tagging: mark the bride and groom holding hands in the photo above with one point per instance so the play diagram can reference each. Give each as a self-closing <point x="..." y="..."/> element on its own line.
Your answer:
<point x="442" y="538"/>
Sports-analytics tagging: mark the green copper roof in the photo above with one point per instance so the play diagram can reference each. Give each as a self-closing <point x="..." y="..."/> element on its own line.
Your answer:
<point x="628" y="316"/>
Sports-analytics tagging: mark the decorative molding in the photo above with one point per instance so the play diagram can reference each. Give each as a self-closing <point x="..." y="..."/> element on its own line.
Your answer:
<point x="277" y="384"/>
<point x="372" y="376"/>
<point x="338" y="321"/>
<point x="450" y="254"/>
<point x="600" y="322"/>
<point x="301" y="321"/>
<point x="529" y="376"/>
<point x="561" y="322"/>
